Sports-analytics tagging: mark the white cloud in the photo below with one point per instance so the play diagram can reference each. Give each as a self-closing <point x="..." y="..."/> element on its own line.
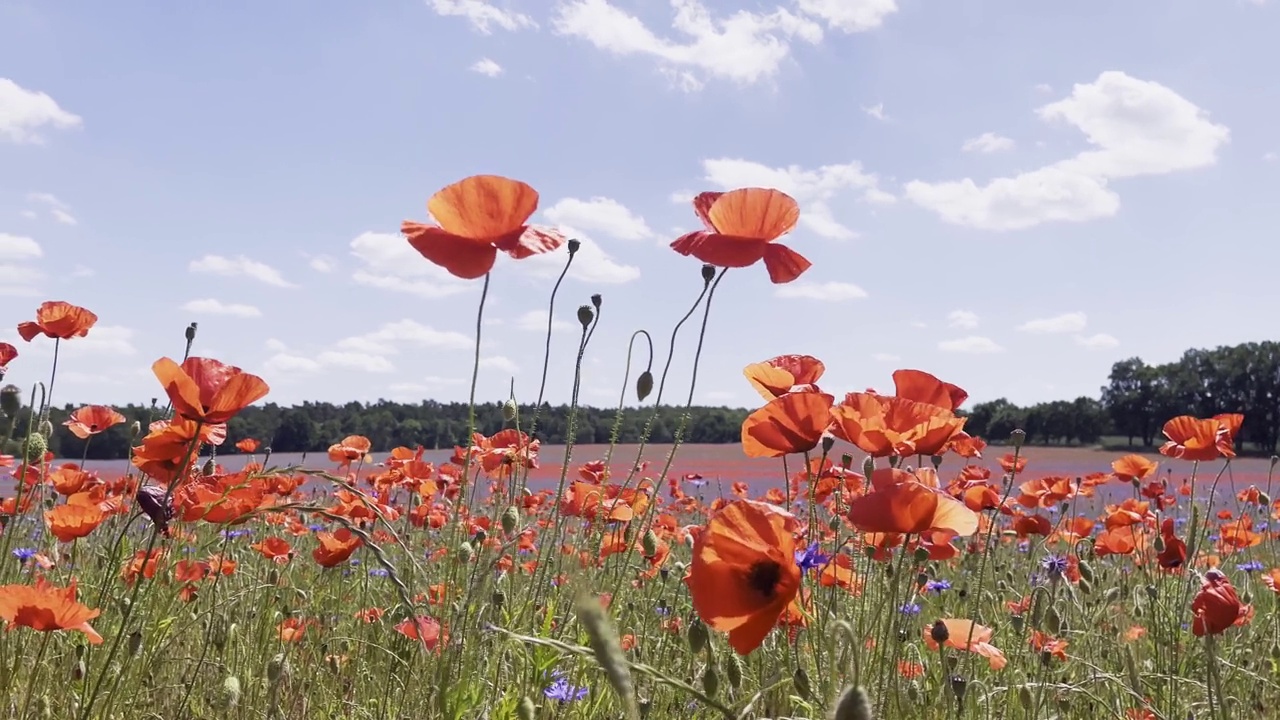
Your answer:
<point x="988" y="142"/>
<point x="352" y="360"/>
<point x="591" y="264"/>
<point x="536" y="321"/>
<point x="971" y="345"/>
<point x="500" y="362"/>
<point x="811" y="188"/>
<point x="106" y="340"/>
<point x="602" y="214"/>
<point x="391" y="263"/>
<point x="745" y="47"/>
<point x="276" y="345"/>
<point x="15" y="248"/>
<point x="23" y="113"/>
<point x="850" y="15"/>
<point x="1100" y="341"/>
<point x="239" y="266"/>
<point x="58" y="210"/>
<point x="322" y="264"/>
<point x="962" y="319"/>
<point x="1271" y="156"/>
<point x="885" y="357"/>
<point x="212" y="306"/>
<point x="482" y="15"/>
<point x="1072" y="322"/>
<point x="825" y="291"/>
<point x="876" y="111"/>
<point x="486" y="67"/>
<point x="285" y="364"/>
<point x="1136" y="128"/>
<point x="384" y="340"/>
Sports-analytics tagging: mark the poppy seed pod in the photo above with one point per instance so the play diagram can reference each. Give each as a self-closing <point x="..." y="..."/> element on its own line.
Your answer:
<point x="596" y="299"/>
<point x="1017" y="438"/>
<point x="868" y="466"/>
<point x="939" y="632"/>
<point x="708" y="273"/>
<point x="10" y="400"/>
<point x="573" y="244"/>
<point x="585" y="316"/>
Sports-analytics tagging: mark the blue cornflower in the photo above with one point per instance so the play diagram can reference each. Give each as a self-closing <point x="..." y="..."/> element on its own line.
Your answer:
<point x="810" y="558"/>
<point x="937" y="586"/>
<point x="316" y="528"/>
<point x="1055" y="565"/>
<point x="24" y="554"/>
<point x="561" y="690"/>
<point x="1251" y="566"/>
<point x="378" y="572"/>
<point x="910" y="609"/>
<point x="354" y="561"/>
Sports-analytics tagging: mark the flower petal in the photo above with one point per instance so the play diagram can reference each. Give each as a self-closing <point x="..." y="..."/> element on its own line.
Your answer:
<point x="783" y="263"/>
<point x="461" y="256"/>
<point x="757" y="213"/>
<point x="483" y="207"/>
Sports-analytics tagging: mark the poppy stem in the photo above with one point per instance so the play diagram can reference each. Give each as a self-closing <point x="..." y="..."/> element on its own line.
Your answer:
<point x="475" y="379"/>
<point x="546" y="352"/>
<point x="53" y="375"/>
<point x="34" y="680"/>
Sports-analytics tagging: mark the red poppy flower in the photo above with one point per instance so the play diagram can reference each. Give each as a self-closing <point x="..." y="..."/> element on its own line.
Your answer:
<point x="59" y="320"/>
<point x="478" y="217"/>
<point x="207" y="391"/>
<point x="1193" y="438"/>
<point x="1216" y="607"/>
<point x="899" y="503"/>
<point x="7" y="354"/>
<point x="791" y="423"/>
<point x="742" y="226"/>
<point x="777" y="376"/>
<point x="922" y="387"/>
<point x="91" y="420"/>
<point x="744" y="572"/>
<point x="45" y="608"/>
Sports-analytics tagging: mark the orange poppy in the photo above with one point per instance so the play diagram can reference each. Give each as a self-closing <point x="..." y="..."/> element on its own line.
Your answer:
<point x="1216" y="607"/>
<point x="59" y="320"/>
<point x="477" y="217"/>
<point x="275" y="549"/>
<point x="207" y="391"/>
<point x="777" y="376"/>
<point x="335" y="547"/>
<point x="791" y="423"/>
<point x="900" y="504"/>
<point x="742" y="227"/>
<point x="1193" y="438"/>
<point x="744" y="572"/>
<point x="883" y="425"/>
<point x="922" y="387"/>
<point x="352" y="448"/>
<point x="965" y="635"/>
<point x="169" y="442"/>
<point x="247" y="445"/>
<point x="46" y="608"/>
<point x="1133" y="467"/>
<point x="1174" y="554"/>
<point x="7" y="354"/>
<point x="91" y="420"/>
<point x="71" y="522"/>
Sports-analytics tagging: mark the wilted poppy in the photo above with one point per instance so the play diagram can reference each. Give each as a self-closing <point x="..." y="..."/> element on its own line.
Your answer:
<point x="777" y="376"/>
<point x="46" y="608"/>
<point x="899" y="503"/>
<point x="59" y="320"/>
<point x="742" y="226"/>
<point x="91" y="420"/>
<point x="207" y="391"/>
<point x="744" y="572"/>
<point x="478" y="217"/>
<point x="1216" y="607"/>
<point x="791" y="423"/>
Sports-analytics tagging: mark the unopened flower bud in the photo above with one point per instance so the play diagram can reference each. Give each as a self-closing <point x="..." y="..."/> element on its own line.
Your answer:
<point x="697" y="636"/>
<point x="135" y="429"/>
<point x="574" y="244"/>
<point x="596" y="299"/>
<point x="510" y="411"/>
<point x="853" y="704"/>
<point x="277" y="668"/>
<point x="649" y="543"/>
<point x="708" y="273"/>
<point x="710" y="681"/>
<point x="800" y="679"/>
<point x="526" y="710"/>
<point x="644" y="385"/>
<point x="868" y="466"/>
<point x="1017" y="438"/>
<point x="510" y="519"/>
<point x="135" y="643"/>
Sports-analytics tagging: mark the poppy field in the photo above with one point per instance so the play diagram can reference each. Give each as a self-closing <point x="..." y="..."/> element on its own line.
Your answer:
<point x="876" y="562"/>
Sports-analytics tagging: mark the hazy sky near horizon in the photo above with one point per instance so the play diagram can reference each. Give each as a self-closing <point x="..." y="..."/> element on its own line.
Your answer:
<point x="1009" y="195"/>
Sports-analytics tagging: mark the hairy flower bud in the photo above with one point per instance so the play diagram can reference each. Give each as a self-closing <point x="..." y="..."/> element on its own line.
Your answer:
<point x="510" y="411"/>
<point x="644" y="385"/>
<point x="510" y="519"/>
<point x="10" y="400"/>
<point x="853" y="704"/>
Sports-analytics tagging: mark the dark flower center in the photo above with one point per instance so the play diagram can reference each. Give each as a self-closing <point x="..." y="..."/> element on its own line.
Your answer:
<point x="764" y="576"/>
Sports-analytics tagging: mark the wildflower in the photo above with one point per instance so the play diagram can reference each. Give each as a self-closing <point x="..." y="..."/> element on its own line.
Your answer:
<point x="207" y="391"/>
<point x="900" y="503"/>
<point x="1251" y="566"/>
<point x="742" y="227"/>
<point x="969" y="636"/>
<point x="744" y="572"/>
<point x="788" y="424"/>
<point x="24" y="554"/>
<point x="1216" y="607"/>
<point x="561" y="690"/>
<point x="937" y="586"/>
<point x="811" y="558"/>
<point x="59" y="320"/>
<point x="778" y="376"/>
<point x="45" y="608"/>
<point x="91" y="420"/>
<point x="910" y="609"/>
<point x="1055" y="565"/>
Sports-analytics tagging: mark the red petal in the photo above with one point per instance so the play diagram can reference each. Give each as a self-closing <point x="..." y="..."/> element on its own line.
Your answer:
<point x="530" y="241"/>
<point x="783" y="263"/>
<point x="462" y="257"/>
<point x="721" y="250"/>
<point x="702" y="207"/>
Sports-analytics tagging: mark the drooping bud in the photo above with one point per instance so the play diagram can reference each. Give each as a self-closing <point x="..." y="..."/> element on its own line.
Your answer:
<point x="210" y="467"/>
<point x="733" y="670"/>
<point x="466" y="553"/>
<point x="585" y="316"/>
<point x="45" y="428"/>
<point x="710" y="681"/>
<point x="649" y="543"/>
<point x="800" y="679"/>
<point x="526" y="710"/>
<point x="277" y="668"/>
<point x="510" y="519"/>
<point x="697" y="636"/>
<point x="644" y="385"/>
<point x="135" y="643"/>
<point x="868" y="467"/>
<point x="135" y="429"/>
<point x="191" y="332"/>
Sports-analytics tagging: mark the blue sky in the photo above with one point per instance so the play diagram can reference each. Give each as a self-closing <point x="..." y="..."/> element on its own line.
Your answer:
<point x="1011" y="195"/>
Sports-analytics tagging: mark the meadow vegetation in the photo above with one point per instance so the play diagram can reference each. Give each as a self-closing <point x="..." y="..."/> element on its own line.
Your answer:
<point x="897" y="568"/>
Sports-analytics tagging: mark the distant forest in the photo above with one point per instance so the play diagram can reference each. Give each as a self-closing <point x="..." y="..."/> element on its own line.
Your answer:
<point x="1130" y="410"/>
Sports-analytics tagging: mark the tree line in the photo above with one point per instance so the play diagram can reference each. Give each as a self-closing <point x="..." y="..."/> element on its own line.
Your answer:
<point x="1130" y="410"/>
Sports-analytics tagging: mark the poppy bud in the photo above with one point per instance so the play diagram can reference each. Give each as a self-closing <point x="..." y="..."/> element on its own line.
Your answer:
<point x="510" y="411"/>
<point x="1018" y="622"/>
<point x="1024" y="698"/>
<point x="466" y="553"/>
<point x="801" y="682"/>
<point x="45" y="428"/>
<point x="210" y="467"/>
<point x="510" y="519"/>
<point x="958" y="686"/>
<point x="191" y="332"/>
<point x="710" y="681"/>
<point x="828" y="442"/>
<point x="939" y="632"/>
<point x="498" y="598"/>
<point x="1264" y="499"/>
<point x="574" y="244"/>
<point x="1017" y="438"/>
<point x="834" y="523"/>
<point x="526" y="710"/>
<point x="230" y="692"/>
<point x="10" y="400"/>
<point x="135" y="643"/>
<point x="77" y="672"/>
<point x="1053" y="622"/>
<point x="853" y="704"/>
<point x="34" y="448"/>
<point x="936" y="461"/>
<point x="733" y="670"/>
<point x="868" y="467"/>
<point x="277" y="669"/>
<point x="708" y="273"/>
<point x="649" y="544"/>
<point x="153" y="501"/>
<point x="846" y="461"/>
<point x="1275" y="459"/>
<point x="135" y="429"/>
<point x="596" y="300"/>
<point x="644" y="385"/>
<point x="585" y="316"/>
<point x="480" y="537"/>
<point x="921" y="554"/>
<point x="1086" y="570"/>
<point x="697" y="636"/>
